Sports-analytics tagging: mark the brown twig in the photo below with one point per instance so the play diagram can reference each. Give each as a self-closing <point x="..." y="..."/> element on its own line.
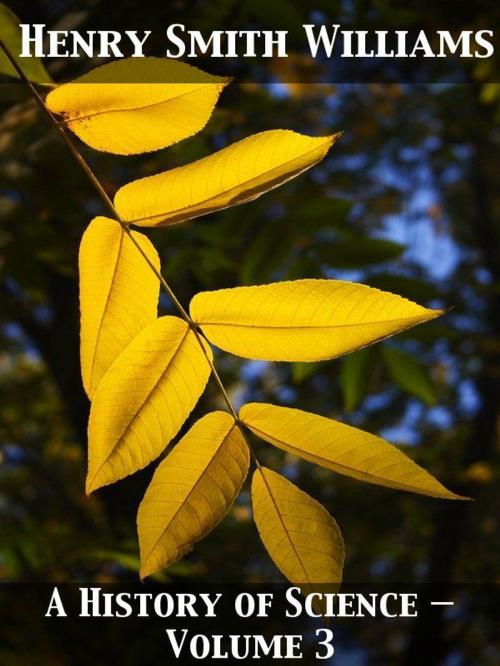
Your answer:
<point x="111" y="207"/>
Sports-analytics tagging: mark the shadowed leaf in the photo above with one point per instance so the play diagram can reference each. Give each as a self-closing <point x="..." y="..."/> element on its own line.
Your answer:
<point x="355" y="376"/>
<point x="359" y="252"/>
<point x="410" y="375"/>
<point x="10" y="34"/>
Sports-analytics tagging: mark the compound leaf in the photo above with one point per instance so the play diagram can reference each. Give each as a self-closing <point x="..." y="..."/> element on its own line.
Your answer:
<point x="302" y="538"/>
<point x="341" y="448"/>
<point x="234" y="175"/>
<point x="143" y="399"/>
<point x="302" y="320"/>
<point x="137" y="105"/>
<point x="191" y="490"/>
<point x="118" y="295"/>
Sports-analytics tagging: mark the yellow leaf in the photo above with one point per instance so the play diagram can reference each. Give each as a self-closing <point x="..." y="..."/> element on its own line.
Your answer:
<point x="237" y="174"/>
<point x="303" y="320"/>
<point x="341" y="448"/>
<point x="137" y="105"/>
<point x="143" y="399"/>
<point x="191" y="491"/>
<point x="118" y="295"/>
<point x="302" y="538"/>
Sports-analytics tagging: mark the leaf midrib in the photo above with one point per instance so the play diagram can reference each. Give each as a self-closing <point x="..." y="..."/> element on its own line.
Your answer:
<point x="178" y="211"/>
<point x="300" y="454"/>
<point x="193" y="489"/>
<point x="103" y="315"/>
<point x="89" y="116"/>
<point x="134" y="416"/>
<point x="307" y="326"/>
<point x="287" y="534"/>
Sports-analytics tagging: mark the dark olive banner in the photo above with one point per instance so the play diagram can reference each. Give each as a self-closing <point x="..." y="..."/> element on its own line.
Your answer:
<point x="188" y="622"/>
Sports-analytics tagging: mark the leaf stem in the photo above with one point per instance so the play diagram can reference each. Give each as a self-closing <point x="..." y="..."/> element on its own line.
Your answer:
<point x="94" y="180"/>
<point x="216" y="375"/>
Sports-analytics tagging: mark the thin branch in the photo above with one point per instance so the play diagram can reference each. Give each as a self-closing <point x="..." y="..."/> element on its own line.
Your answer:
<point x="60" y="127"/>
<point x="94" y="180"/>
<point x="216" y="375"/>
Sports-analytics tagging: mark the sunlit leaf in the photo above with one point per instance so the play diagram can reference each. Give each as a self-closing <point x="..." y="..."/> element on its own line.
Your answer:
<point x="341" y="448"/>
<point x="118" y="295"/>
<point x="10" y="34"/>
<point x="410" y="375"/>
<point x="301" y="537"/>
<point x="191" y="491"/>
<point x="302" y="320"/>
<point x="143" y="400"/>
<point x="137" y="105"/>
<point x="234" y="175"/>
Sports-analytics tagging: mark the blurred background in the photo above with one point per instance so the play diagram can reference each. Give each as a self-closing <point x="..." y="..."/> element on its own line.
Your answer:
<point x="408" y="201"/>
